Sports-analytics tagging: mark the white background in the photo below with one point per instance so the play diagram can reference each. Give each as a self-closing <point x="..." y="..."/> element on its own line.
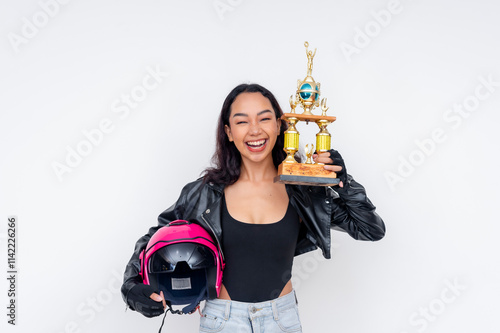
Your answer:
<point x="68" y="73"/>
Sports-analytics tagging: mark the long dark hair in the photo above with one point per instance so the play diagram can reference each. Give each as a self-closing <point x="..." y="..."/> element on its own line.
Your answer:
<point x="227" y="158"/>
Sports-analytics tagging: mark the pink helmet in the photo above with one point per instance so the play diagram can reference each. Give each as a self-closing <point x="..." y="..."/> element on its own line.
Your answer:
<point x="182" y="260"/>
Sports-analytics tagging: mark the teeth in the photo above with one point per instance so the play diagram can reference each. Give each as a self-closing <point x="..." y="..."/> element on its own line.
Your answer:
<point x="256" y="143"/>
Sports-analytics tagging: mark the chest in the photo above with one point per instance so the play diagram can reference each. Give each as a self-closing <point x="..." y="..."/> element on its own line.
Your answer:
<point x="258" y="205"/>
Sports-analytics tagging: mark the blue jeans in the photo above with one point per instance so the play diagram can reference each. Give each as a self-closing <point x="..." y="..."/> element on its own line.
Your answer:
<point x="278" y="315"/>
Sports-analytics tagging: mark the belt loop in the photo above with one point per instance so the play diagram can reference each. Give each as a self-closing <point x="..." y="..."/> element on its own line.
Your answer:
<point x="275" y="310"/>
<point x="228" y="310"/>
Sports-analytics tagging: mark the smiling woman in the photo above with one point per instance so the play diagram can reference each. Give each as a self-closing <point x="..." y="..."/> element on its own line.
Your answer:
<point x="259" y="225"/>
<point x="248" y="108"/>
<point x="253" y="132"/>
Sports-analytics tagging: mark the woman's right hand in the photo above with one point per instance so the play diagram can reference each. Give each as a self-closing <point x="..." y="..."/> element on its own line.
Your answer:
<point x="334" y="162"/>
<point x="143" y="298"/>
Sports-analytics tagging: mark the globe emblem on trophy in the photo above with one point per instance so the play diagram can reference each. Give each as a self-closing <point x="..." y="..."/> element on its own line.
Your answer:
<point x="308" y="91"/>
<point x="308" y="94"/>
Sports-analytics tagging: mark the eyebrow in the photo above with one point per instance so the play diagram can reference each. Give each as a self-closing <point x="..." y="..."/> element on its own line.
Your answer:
<point x="246" y="115"/>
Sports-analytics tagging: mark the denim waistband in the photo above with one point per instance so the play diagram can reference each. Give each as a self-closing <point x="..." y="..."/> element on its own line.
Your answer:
<point x="251" y="310"/>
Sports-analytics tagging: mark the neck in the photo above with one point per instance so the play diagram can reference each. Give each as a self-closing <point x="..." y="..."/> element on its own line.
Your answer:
<point x="258" y="172"/>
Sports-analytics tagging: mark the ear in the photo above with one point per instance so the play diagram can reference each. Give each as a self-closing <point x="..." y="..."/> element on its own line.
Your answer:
<point x="279" y="126"/>
<point x="227" y="129"/>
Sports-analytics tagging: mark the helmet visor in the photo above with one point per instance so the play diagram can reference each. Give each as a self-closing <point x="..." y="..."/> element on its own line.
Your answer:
<point x="195" y="255"/>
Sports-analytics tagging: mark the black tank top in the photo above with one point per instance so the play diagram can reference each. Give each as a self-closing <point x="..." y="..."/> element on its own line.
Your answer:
<point x="259" y="257"/>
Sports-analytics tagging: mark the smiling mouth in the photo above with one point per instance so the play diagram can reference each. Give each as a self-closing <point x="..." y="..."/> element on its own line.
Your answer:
<point x="256" y="144"/>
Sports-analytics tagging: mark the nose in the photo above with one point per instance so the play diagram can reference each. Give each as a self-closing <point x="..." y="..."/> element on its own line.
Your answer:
<point x="255" y="128"/>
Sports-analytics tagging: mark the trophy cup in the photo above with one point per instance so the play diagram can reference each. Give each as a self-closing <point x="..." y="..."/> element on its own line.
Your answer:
<point x="308" y="173"/>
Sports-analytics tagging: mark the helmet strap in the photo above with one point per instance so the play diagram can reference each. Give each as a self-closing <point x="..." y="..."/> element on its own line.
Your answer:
<point x="169" y="305"/>
<point x="192" y="307"/>
<point x="163" y="321"/>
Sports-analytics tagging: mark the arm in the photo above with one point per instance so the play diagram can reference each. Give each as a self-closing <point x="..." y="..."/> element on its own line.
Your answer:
<point x="353" y="213"/>
<point x="131" y="276"/>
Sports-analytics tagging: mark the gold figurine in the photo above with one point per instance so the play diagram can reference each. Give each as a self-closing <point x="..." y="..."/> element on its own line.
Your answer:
<point x="309" y="151"/>
<point x="307" y="96"/>
<point x="310" y="55"/>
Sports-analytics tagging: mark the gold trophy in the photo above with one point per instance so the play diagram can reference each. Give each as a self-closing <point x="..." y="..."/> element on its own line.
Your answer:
<point x="308" y="173"/>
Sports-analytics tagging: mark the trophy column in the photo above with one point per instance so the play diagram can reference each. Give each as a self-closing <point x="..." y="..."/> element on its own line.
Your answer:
<point x="291" y="140"/>
<point x="323" y="138"/>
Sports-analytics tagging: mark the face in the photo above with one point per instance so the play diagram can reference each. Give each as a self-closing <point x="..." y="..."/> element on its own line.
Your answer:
<point x="253" y="126"/>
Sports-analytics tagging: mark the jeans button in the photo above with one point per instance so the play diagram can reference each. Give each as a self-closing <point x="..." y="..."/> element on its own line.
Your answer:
<point x="253" y="310"/>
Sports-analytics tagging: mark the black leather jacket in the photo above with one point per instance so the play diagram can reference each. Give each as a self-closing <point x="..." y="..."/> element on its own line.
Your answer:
<point x="320" y="208"/>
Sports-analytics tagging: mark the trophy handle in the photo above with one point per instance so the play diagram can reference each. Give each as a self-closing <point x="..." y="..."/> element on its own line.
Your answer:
<point x="324" y="108"/>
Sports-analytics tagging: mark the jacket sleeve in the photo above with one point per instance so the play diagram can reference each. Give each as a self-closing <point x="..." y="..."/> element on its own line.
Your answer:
<point x="131" y="276"/>
<point x="354" y="213"/>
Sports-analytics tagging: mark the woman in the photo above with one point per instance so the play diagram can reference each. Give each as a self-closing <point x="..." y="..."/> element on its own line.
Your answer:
<point x="260" y="225"/>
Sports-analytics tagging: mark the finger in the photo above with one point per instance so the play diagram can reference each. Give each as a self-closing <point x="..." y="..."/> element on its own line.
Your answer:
<point x="155" y="297"/>
<point x="341" y="184"/>
<point x="163" y="300"/>
<point x="324" y="158"/>
<point x="335" y="168"/>
<point x="325" y="154"/>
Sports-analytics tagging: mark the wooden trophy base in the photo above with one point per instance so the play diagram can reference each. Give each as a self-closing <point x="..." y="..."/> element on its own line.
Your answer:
<point x="305" y="174"/>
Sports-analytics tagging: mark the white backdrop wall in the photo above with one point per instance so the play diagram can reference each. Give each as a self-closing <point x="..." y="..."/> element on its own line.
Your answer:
<point x="109" y="107"/>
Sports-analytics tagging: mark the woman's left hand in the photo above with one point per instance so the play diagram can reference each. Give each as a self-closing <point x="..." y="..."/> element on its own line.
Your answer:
<point x="333" y="162"/>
